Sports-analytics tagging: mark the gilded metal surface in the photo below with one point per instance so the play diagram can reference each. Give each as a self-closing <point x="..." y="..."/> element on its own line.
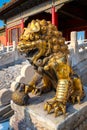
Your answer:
<point x="46" y="50"/>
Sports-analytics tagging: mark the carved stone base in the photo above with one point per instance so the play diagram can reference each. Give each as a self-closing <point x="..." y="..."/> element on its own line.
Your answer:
<point x="33" y="117"/>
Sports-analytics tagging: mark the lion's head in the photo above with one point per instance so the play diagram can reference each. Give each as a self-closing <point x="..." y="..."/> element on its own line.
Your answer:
<point x="40" y="40"/>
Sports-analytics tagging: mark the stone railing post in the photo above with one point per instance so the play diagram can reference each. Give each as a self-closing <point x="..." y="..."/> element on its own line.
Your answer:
<point x="74" y="58"/>
<point x="2" y="48"/>
<point x="74" y="43"/>
<point x="14" y="45"/>
<point x="7" y="46"/>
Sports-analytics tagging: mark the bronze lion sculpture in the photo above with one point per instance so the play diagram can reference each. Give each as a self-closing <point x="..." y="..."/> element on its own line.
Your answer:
<point x="47" y="52"/>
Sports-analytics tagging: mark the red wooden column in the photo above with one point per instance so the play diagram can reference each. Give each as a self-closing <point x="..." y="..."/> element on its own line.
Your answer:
<point x="22" y="24"/>
<point x="54" y="17"/>
<point x="6" y="31"/>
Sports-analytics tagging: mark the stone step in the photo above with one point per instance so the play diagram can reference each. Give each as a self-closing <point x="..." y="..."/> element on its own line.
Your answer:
<point x="7" y="115"/>
<point x="4" y="110"/>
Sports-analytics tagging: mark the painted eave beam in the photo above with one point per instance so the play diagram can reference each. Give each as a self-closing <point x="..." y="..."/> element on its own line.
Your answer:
<point x="43" y="7"/>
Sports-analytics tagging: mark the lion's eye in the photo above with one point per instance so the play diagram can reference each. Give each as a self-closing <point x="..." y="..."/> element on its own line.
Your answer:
<point x="39" y="62"/>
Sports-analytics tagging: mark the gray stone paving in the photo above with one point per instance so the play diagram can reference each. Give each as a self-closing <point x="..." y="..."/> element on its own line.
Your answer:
<point x="7" y="75"/>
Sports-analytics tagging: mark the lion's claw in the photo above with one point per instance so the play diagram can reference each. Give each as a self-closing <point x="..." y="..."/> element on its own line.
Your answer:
<point x="55" y="106"/>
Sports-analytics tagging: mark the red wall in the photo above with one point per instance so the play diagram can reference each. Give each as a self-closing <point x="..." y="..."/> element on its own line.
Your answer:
<point x="3" y="40"/>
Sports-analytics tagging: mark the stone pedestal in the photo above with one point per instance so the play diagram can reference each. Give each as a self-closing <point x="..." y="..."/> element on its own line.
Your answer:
<point x="33" y="117"/>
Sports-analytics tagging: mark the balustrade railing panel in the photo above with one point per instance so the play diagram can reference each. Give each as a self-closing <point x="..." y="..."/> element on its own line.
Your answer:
<point x="8" y="48"/>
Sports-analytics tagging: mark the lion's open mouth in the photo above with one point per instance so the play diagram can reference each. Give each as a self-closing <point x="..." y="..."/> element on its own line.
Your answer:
<point x="32" y="53"/>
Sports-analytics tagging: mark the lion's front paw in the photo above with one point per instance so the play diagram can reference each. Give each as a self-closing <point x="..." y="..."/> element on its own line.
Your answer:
<point x="40" y="90"/>
<point x="55" y="106"/>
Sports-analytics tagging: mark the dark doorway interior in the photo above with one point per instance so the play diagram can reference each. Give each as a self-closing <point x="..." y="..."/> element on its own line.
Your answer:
<point x="40" y="16"/>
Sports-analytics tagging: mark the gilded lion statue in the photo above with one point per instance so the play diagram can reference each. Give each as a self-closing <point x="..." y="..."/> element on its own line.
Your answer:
<point x="46" y="50"/>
